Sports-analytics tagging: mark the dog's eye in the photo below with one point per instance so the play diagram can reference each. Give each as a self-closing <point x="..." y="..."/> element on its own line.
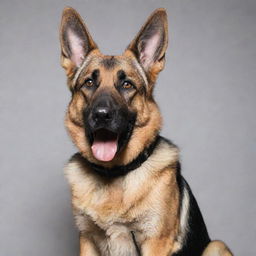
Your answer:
<point x="88" y="83"/>
<point x="127" y="85"/>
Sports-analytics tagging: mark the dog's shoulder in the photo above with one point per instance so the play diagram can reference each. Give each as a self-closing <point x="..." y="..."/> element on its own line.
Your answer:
<point x="74" y="166"/>
<point x="76" y="170"/>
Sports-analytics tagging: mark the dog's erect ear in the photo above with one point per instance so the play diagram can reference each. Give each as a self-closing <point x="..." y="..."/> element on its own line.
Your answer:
<point x="76" y="42"/>
<point x="151" y="42"/>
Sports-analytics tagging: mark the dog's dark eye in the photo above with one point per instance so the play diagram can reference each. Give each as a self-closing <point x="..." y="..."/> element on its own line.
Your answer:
<point x="127" y="85"/>
<point x="88" y="83"/>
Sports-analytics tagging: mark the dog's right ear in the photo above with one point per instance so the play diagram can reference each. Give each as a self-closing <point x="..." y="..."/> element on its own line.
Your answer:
<point x="76" y="42"/>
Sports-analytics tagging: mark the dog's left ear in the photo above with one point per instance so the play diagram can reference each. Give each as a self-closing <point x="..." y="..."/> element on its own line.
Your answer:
<point x="150" y="44"/>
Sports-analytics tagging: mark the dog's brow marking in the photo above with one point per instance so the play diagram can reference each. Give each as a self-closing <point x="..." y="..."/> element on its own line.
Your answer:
<point x="110" y="62"/>
<point x="141" y="71"/>
<point x="78" y="72"/>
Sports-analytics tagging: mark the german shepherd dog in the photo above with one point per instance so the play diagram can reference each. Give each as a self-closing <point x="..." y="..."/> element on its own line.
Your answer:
<point x="128" y="194"/>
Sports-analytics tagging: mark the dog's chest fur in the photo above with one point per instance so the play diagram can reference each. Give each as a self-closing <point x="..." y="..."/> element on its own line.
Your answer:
<point x="111" y="209"/>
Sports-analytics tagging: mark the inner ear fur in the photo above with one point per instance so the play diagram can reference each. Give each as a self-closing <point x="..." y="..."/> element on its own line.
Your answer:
<point x="75" y="39"/>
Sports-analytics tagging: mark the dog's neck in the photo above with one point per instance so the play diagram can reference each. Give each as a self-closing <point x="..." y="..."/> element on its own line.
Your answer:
<point x="122" y="170"/>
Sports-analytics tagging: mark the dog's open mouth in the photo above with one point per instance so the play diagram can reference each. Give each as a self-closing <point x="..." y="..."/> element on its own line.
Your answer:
<point x="104" y="146"/>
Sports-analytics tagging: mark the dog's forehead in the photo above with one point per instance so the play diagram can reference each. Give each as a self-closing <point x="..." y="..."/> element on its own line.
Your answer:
<point x="113" y="63"/>
<point x="109" y="66"/>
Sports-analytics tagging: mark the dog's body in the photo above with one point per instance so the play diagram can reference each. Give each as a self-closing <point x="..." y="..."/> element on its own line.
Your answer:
<point x="128" y="195"/>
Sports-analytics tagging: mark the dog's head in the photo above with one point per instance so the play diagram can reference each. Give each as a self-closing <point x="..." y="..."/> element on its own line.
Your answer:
<point x="112" y="115"/>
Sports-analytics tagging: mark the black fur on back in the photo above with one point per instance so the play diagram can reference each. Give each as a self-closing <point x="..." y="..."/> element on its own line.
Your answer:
<point x="197" y="237"/>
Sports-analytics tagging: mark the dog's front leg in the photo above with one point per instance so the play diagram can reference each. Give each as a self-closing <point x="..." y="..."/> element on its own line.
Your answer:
<point x="160" y="246"/>
<point x="87" y="246"/>
<point x="120" y="241"/>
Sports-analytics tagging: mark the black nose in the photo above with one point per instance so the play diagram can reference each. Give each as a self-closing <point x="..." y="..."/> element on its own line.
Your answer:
<point x="101" y="114"/>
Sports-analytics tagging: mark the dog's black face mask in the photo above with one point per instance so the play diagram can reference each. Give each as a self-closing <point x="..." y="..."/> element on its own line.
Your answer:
<point x="108" y="126"/>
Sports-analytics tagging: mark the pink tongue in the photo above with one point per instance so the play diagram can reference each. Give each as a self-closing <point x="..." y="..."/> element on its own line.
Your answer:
<point x="104" y="150"/>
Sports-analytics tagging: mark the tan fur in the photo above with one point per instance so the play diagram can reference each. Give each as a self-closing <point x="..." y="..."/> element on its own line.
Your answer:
<point x="87" y="248"/>
<point x="217" y="248"/>
<point x="146" y="200"/>
<point x="132" y="201"/>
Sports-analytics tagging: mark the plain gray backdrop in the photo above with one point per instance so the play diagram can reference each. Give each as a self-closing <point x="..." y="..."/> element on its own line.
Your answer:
<point x="207" y="94"/>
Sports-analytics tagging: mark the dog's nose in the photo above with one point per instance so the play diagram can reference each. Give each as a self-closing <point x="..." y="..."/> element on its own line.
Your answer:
<point x="102" y="114"/>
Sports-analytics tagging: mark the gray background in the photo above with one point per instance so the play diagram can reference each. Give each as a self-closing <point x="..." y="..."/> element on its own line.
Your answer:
<point x="206" y="93"/>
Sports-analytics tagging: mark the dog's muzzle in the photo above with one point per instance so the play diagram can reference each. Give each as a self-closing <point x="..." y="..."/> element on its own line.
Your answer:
<point x="108" y="126"/>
